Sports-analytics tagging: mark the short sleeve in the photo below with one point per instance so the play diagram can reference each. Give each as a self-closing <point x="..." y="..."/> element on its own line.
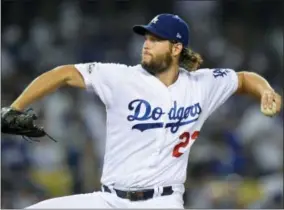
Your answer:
<point x="101" y="78"/>
<point x="219" y="85"/>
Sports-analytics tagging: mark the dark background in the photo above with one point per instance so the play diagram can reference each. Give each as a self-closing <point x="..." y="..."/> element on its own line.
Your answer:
<point x="238" y="160"/>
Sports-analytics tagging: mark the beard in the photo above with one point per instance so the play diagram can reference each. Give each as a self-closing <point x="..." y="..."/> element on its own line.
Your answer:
<point x="158" y="64"/>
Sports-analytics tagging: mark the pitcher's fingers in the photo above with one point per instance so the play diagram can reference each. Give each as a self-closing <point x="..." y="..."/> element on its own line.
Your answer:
<point x="264" y="101"/>
<point x="270" y="99"/>
<point x="278" y="101"/>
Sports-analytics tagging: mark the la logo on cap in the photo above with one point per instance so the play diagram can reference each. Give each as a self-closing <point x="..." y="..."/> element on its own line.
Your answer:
<point x="155" y="19"/>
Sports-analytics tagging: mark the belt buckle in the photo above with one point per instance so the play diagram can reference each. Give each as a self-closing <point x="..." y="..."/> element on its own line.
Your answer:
<point x="134" y="196"/>
<point x="139" y="195"/>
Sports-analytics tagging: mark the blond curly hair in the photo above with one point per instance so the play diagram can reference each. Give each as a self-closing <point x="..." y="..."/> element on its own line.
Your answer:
<point x="189" y="59"/>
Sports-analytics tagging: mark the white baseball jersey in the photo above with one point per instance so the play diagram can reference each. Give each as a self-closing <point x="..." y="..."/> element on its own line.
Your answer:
<point x="151" y="127"/>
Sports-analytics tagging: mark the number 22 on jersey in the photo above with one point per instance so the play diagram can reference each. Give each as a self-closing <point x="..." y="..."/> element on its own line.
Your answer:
<point x="185" y="138"/>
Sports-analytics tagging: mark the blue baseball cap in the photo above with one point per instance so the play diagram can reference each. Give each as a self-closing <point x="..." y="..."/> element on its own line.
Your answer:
<point x="167" y="26"/>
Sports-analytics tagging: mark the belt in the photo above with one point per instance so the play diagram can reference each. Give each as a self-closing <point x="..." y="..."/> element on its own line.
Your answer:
<point x="139" y="195"/>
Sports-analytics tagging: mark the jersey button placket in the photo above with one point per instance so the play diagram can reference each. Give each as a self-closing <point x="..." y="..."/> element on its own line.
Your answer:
<point x="157" y="150"/>
<point x="162" y="133"/>
<point x="171" y="103"/>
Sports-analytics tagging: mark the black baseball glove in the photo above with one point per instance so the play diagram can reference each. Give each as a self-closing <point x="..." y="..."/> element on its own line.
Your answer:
<point x="20" y="123"/>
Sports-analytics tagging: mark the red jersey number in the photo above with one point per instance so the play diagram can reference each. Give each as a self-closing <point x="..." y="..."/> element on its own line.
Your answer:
<point x="185" y="139"/>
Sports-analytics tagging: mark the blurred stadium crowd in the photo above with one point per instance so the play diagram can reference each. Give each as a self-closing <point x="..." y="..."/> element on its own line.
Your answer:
<point x="238" y="160"/>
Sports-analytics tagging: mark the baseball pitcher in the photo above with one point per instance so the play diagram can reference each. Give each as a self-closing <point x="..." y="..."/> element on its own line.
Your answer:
<point x="155" y="112"/>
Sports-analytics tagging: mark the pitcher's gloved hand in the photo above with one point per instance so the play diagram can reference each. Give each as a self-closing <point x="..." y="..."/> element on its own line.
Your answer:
<point x="20" y="123"/>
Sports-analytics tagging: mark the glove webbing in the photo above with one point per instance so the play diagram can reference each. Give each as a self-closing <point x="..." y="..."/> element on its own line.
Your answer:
<point x="30" y="139"/>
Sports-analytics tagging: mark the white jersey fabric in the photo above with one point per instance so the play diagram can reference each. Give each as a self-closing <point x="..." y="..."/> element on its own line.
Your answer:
<point x="151" y="127"/>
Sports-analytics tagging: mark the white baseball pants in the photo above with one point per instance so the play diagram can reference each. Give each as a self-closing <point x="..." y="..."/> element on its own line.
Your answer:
<point x="110" y="200"/>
